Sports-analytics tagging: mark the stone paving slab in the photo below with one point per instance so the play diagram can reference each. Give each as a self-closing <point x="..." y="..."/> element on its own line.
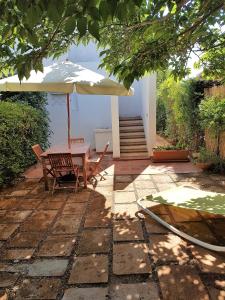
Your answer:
<point x="7" y="279"/>
<point x="26" y="239"/>
<point x="143" y="291"/>
<point x="7" y="203"/>
<point x="17" y="254"/>
<point x="6" y="230"/>
<point x="165" y="186"/>
<point x="131" y="258"/>
<point x="123" y="178"/>
<point x="89" y="269"/>
<point x="141" y="193"/>
<point x="91" y="293"/>
<point x="95" y="241"/>
<point x="125" y="211"/>
<point x="74" y="208"/>
<point x="39" y="221"/>
<point x="82" y="196"/>
<point x="57" y="245"/>
<point x="127" y="230"/>
<point x="48" y="205"/>
<point x="25" y="204"/>
<point x="44" y="267"/>
<point x="144" y="184"/>
<point x="124" y="186"/>
<point x="47" y="288"/>
<point x="99" y="203"/>
<point x="209" y="261"/>
<point x="162" y="178"/>
<point x="168" y="247"/>
<point x="15" y="216"/>
<point x="181" y="282"/>
<point x="98" y="218"/>
<point x="124" y="197"/>
<point x="67" y="224"/>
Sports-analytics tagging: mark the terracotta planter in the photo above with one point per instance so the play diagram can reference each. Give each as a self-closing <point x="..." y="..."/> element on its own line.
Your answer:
<point x="204" y="166"/>
<point x="170" y="155"/>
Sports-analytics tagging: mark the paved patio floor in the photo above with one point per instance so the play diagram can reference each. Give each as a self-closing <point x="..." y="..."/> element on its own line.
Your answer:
<point x="96" y="245"/>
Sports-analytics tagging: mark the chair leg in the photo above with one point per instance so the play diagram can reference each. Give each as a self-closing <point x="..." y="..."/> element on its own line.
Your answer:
<point x="102" y="170"/>
<point x="50" y="172"/>
<point x="53" y="188"/>
<point x="77" y="180"/>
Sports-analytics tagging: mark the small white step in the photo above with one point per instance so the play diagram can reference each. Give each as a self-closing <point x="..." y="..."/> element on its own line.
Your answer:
<point x="132" y="129"/>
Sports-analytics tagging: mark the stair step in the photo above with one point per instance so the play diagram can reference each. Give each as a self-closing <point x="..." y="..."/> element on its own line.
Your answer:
<point x="131" y="135"/>
<point x="130" y="118"/>
<point x="132" y="129"/>
<point x="133" y="151"/>
<point x="131" y="123"/>
<point x="132" y="141"/>
<point x="133" y="148"/>
<point x="134" y="155"/>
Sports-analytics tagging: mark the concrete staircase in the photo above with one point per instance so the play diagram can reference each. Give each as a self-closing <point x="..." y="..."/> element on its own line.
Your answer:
<point x="132" y="138"/>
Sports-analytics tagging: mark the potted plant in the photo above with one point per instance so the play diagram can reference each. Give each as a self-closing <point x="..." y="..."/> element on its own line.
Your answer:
<point x="203" y="159"/>
<point x="170" y="154"/>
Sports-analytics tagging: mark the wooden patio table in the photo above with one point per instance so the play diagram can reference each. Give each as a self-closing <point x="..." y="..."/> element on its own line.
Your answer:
<point x="77" y="150"/>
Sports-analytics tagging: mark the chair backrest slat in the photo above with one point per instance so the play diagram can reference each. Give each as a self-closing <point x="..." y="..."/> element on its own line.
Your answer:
<point x="37" y="151"/>
<point x="60" y="160"/>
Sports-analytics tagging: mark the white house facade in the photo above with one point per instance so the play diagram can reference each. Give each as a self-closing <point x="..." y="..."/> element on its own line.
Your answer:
<point x="129" y="123"/>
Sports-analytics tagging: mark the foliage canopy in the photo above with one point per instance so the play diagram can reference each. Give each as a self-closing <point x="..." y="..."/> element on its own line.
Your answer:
<point x="138" y="36"/>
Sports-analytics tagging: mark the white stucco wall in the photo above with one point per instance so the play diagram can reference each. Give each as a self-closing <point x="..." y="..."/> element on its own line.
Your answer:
<point x="148" y="109"/>
<point x="131" y="106"/>
<point x="88" y="112"/>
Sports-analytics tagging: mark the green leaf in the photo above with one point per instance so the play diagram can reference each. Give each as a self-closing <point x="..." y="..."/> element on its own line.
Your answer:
<point x="32" y="16"/>
<point x="104" y="10"/>
<point x="52" y="12"/>
<point x="70" y="25"/>
<point x="93" y="28"/>
<point x="94" y="12"/>
<point x="138" y="2"/>
<point x="121" y="11"/>
<point x="82" y="26"/>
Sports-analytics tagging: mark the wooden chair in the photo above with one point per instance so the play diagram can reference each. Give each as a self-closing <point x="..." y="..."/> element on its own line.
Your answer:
<point x="37" y="152"/>
<point x="77" y="140"/>
<point x="95" y="165"/>
<point x="62" y="166"/>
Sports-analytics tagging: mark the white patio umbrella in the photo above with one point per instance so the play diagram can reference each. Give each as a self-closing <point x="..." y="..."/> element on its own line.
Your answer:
<point x="65" y="77"/>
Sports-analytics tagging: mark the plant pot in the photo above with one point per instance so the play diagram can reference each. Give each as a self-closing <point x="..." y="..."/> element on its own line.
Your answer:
<point x="170" y="155"/>
<point x="203" y="165"/>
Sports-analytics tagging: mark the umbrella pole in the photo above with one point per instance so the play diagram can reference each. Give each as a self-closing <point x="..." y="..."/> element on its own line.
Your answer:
<point x="68" y="117"/>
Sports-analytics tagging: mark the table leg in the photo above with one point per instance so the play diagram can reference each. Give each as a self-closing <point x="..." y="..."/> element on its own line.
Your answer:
<point x="45" y="174"/>
<point x="85" y="170"/>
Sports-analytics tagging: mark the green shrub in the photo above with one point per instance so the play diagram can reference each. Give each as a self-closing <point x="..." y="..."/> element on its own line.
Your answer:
<point x="21" y="126"/>
<point x="212" y="114"/>
<point x="178" y="109"/>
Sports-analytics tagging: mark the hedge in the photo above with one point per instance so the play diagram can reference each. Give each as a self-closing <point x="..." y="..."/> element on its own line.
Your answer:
<point x="21" y="126"/>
